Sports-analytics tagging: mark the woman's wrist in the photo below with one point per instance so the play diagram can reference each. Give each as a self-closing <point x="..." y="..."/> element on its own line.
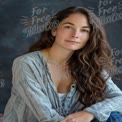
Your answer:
<point x="90" y="115"/>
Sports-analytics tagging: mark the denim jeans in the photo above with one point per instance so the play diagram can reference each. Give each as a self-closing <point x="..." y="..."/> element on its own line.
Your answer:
<point x="114" y="117"/>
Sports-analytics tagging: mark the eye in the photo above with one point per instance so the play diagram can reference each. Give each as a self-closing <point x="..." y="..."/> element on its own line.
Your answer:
<point x="84" y="30"/>
<point x="68" y="27"/>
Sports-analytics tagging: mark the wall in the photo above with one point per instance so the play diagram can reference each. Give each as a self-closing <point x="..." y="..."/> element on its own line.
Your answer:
<point x="22" y="21"/>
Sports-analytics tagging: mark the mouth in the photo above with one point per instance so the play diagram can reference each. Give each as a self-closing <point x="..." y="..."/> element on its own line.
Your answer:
<point x="72" y="42"/>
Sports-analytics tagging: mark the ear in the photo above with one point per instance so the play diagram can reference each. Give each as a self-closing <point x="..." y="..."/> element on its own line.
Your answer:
<point x="53" y="32"/>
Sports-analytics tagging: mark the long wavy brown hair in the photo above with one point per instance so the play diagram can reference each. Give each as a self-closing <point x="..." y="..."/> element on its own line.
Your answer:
<point x="88" y="63"/>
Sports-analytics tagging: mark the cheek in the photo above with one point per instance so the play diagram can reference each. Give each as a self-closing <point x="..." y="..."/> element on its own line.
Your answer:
<point x="61" y="33"/>
<point x="85" y="38"/>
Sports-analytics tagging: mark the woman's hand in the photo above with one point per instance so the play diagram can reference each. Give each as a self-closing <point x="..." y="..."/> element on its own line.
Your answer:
<point x="79" y="117"/>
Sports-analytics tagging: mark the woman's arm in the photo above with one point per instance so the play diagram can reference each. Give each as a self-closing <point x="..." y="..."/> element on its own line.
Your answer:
<point x="81" y="116"/>
<point x="112" y="102"/>
<point x="27" y="85"/>
<point x="100" y="110"/>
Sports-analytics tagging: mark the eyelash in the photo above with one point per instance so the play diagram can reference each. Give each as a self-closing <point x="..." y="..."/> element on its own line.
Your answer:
<point x="85" y="30"/>
<point x="68" y="27"/>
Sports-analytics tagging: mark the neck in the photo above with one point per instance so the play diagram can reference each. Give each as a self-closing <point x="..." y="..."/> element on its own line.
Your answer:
<point x="58" y="56"/>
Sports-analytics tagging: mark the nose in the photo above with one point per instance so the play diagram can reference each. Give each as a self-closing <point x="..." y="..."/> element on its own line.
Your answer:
<point x="75" y="34"/>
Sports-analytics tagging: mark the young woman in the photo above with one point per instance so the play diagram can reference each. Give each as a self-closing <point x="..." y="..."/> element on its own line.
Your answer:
<point x="66" y="75"/>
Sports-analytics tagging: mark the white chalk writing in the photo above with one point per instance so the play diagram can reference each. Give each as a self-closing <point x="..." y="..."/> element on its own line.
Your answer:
<point x="109" y="12"/>
<point x="38" y="21"/>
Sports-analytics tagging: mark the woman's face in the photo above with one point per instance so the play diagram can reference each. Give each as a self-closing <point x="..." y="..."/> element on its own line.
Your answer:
<point x="72" y="32"/>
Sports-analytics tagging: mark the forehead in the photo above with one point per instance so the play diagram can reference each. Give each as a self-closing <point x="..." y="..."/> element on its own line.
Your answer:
<point x="76" y="19"/>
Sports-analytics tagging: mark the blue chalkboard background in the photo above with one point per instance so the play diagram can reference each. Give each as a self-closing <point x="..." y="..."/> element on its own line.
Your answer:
<point x="21" y="22"/>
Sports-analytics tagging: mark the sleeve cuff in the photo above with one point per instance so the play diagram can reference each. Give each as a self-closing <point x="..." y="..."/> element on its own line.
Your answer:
<point x="102" y="117"/>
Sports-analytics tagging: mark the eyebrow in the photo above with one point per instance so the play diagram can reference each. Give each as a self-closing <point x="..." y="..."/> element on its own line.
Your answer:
<point x="73" y="24"/>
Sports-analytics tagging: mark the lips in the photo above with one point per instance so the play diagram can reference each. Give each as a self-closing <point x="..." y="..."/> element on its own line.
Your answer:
<point x="71" y="41"/>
